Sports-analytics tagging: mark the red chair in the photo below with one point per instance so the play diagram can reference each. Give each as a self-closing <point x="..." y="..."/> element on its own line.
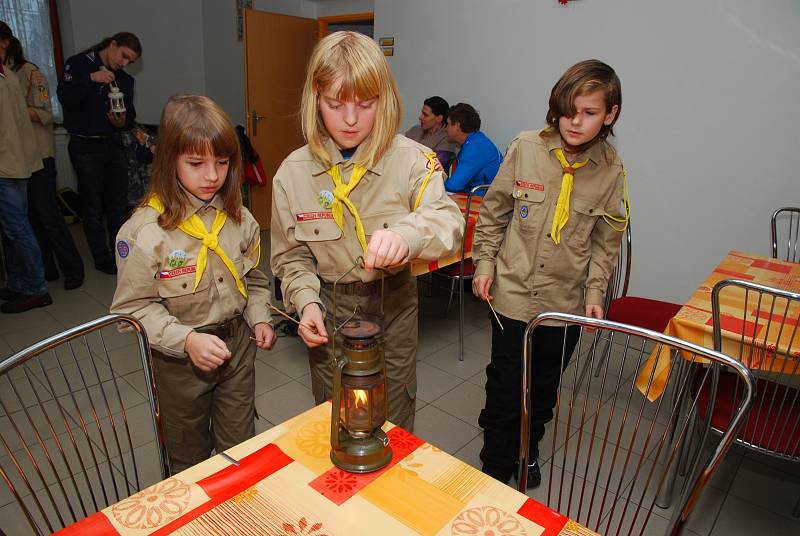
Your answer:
<point x="632" y="310"/>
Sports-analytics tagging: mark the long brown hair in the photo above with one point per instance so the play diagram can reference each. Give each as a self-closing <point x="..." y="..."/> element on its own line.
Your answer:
<point x="123" y="39"/>
<point x="581" y="79"/>
<point x="360" y="64"/>
<point x="193" y="124"/>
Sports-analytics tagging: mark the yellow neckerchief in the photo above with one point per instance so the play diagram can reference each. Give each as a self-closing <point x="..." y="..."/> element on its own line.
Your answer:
<point x="341" y="195"/>
<point x="194" y="227"/>
<point x="561" y="214"/>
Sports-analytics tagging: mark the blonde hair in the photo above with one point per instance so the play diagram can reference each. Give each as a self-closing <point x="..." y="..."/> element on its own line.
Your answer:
<point x="193" y="124"/>
<point x="359" y="63"/>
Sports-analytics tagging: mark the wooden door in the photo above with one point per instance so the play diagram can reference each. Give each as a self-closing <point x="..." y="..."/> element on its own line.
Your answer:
<point x="277" y="48"/>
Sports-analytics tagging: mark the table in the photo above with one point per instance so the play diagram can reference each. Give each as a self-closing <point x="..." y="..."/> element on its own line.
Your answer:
<point x="286" y="484"/>
<point x="421" y="268"/>
<point x="694" y="322"/>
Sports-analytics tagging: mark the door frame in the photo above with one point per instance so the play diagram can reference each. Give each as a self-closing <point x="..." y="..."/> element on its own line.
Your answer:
<point x="323" y="22"/>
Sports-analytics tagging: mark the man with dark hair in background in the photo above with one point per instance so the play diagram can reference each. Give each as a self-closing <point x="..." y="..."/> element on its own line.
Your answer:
<point x="478" y="161"/>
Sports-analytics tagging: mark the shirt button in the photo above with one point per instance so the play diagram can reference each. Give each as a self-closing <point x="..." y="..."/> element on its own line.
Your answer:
<point x="183" y="286"/>
<point x="220" y="279"/>
<point x="541" y="266"/>
<point x="548" y="235"/>
<point x="591" y="210"/>
<point x="385" y="225"/>
<point x="316" y="231"/>
<point x="535" y="293"/>
<point x="526" y="196"/>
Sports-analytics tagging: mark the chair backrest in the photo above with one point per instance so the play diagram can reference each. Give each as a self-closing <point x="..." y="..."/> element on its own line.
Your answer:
<point x="620" y="277"/>
<point x="472" y="193"/>
<point x="787" y="245"/>
<point x="611" y="453"/>
<point x="68" y="404"/>
<point x="758" y="326"/>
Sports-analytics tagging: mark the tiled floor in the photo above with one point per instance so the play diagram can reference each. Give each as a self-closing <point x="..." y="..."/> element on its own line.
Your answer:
<point x="749" y="495"/>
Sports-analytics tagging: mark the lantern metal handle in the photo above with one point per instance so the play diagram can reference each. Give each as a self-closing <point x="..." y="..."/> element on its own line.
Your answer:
<point x="337" y="400"/>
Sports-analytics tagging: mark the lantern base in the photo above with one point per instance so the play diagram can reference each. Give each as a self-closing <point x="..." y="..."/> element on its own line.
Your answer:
<point x="362" y="455"/>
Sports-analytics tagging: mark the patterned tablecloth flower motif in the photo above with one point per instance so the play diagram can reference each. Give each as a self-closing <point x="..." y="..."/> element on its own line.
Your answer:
<point x="487" y="521"/>
<point x="154" y="506"/>
<point x="314" y="439"/>
<point x="303" y="528"/>
<point x="341" y="481"/>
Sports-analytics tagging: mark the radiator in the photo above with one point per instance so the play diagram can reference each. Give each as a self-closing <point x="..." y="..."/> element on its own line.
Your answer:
<point x="65" y="174"/>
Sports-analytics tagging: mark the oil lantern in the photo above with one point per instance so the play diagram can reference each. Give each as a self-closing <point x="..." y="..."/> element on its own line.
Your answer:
<point x="358" y="444"/>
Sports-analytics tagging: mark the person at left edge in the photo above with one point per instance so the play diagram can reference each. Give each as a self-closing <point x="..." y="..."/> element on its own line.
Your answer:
<point x="52" y="234"/>
<point x="18" y="160"/>
<point x="94" y="146"/>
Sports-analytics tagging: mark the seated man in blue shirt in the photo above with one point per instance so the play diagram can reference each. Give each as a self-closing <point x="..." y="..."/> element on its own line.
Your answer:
<point x="478" y="161"/>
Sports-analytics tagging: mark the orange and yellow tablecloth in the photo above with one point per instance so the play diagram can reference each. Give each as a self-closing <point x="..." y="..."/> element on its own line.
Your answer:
<point x="694" y="322"/>
<point x="286" y="484"/>
<point x="422" y="268"/>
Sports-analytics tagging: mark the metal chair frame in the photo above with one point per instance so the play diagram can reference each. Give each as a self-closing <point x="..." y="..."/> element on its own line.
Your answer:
<point x="53" y="430"/>
<point x="461" y="277"/>
<point x="792" y="228"/>
<point x="769" y="304"/>
<point x="631" y="476"/>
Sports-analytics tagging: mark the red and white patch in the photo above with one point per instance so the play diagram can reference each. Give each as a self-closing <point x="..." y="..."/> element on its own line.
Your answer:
<point x="437" y="166"/>
<point x="530" y="185"/>
<point x="183" y="270"/>
<point x="311" y="216"/>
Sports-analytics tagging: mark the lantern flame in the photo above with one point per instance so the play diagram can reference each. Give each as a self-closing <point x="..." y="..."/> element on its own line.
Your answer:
<point x="360" y="398"/>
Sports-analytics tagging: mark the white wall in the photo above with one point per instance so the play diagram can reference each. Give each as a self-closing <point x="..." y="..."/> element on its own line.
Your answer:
<point x="707" y="129"/>
<point x="223" y="58"/>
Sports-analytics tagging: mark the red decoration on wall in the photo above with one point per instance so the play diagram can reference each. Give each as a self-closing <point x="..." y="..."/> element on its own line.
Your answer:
<point x="563" y="2"/>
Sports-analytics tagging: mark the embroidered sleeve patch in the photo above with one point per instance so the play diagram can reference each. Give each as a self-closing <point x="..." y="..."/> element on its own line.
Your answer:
<point x="123" y="249"/>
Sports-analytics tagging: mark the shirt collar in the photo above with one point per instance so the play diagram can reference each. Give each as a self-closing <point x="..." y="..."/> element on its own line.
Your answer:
<point x="553" y="141"/>
<point x="336" y="159"/>
<point x="196" y="204"/>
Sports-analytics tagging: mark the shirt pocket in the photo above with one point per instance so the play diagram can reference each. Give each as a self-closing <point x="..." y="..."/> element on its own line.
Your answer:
<point x="384" y="220"/>
<point x="528" y="206"/>
<point x="584" y="215"/>
<point x="317" y="231"/>
<point x="181" y="299"/>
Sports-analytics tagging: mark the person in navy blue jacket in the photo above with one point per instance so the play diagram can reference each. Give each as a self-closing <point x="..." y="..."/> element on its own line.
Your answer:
<point x="94" y="146"/>
<point x="478" y="161"/>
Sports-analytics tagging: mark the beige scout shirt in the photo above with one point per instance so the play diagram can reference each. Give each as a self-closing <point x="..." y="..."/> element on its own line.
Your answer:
<point x="37" y="96"/>
<point x="531" y="273"/>
<point x="306" y="242"/>
<point x="157" y="270"/>
<point x="18" y="159"/>
<point x="437" y="141"/>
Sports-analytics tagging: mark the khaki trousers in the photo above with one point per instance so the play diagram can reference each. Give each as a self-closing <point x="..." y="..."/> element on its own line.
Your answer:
<point x="399" y="327"/>
<point x="202" y="411"/>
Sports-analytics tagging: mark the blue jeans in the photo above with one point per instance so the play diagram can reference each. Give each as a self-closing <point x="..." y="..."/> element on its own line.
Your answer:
<point x="25" y="270"/>
<point x="103" y="188"/>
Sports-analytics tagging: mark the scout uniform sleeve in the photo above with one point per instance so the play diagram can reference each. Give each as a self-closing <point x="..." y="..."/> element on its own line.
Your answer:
<point x="434" y="230"/>
<point x="137" y="295"/>
<point x="605" y="248"/>
<point x="495" y="213"/>
<point x="256" y="310"/>
<point x="39" y="97"/>
<point x="75" y="83"/>
<point x="292" y="262"/>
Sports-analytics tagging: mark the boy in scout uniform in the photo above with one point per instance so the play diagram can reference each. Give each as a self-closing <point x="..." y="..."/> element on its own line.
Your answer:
<point x="547" y="238"/>
<point x="358" y="190"/>
<point x="187" y="270"/>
